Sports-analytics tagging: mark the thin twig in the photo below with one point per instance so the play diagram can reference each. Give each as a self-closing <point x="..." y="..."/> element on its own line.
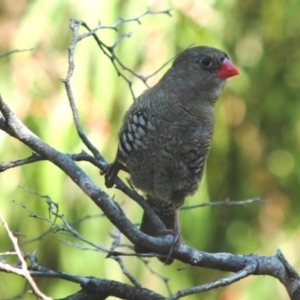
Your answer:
<point x="227" y="202"/>
<point x="248" y="270"/>
<point x="24" y="272"/>
<point x="66" y="227"/>
<point x="67" y="82"/>
<point x="16" y="51"/>
<point x="20" y="162"/>
<point x="119" y="260"/>
<point x="109" y="51"/>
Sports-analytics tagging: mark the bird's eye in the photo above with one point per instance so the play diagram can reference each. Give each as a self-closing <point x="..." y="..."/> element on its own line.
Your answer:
<point x="206" y="62"/>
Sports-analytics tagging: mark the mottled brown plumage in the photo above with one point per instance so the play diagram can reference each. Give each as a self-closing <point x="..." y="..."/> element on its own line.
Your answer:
<point x="166" y="133"/>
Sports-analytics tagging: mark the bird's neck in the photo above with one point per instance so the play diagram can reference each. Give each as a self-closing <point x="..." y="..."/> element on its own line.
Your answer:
<point x="181" y="97"/>
<point x="207" y="88"/>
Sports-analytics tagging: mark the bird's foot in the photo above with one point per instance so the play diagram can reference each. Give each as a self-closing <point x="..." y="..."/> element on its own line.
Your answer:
<point x="175" y="243"/>
<point x="111" y="172"/>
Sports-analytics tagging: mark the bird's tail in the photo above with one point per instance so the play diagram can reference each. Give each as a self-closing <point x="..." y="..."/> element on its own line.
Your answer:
<point x="165" y="211"/>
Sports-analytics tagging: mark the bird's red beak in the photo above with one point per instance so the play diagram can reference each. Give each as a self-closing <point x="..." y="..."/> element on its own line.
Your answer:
<point x="227" y="69"/>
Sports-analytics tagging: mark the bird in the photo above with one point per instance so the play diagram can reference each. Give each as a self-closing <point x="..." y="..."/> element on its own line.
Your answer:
<point x="166" y="134"/>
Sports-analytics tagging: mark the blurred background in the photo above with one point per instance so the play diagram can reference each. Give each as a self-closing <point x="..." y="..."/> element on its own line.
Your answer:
<point x="255" y="150"/>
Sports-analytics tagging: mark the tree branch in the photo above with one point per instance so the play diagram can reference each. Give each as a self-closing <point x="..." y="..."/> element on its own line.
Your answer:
<point x="23" y="270"/>
<point x="14" y="127"/>
<point x="93" y="288"/>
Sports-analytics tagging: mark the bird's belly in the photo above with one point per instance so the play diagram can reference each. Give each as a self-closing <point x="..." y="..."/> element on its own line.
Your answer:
<point x="164" y="178"/>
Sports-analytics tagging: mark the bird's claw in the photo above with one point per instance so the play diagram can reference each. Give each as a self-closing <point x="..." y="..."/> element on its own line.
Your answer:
<point x="175" y="243"/>
<point x="110" y="173"/>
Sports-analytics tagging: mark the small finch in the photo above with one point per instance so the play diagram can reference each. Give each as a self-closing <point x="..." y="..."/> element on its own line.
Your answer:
<point x="166" y="135"/>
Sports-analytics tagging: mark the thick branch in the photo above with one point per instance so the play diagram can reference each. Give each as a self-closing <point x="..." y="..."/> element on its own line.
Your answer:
<point x="272" y="266"/>
<point x="14" y="127"/>
<point x="96" y="289"/>
<point x="243" y="265"/>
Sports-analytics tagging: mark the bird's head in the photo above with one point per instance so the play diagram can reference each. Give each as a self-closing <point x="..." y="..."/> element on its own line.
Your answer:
<point x="204" y="69"/>
<point x="206" y="60"/>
